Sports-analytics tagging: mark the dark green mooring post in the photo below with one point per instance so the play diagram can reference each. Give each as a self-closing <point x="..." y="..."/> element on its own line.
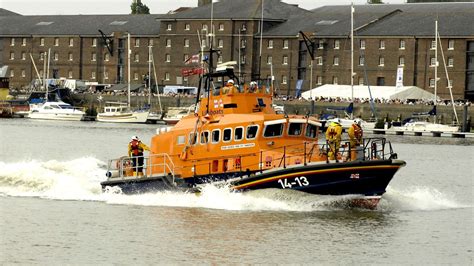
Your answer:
<point x="464" y="120"/>
<point x="312" y="107"/>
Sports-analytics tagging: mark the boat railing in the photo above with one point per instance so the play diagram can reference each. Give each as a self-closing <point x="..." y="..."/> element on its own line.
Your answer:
<point x="293" y="155"/>
<point x="370" y="149"/>
<point x="123" y="167"/>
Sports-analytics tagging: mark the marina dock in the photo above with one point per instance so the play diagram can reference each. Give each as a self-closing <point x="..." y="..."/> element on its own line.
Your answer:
<point x="422" y="133"/>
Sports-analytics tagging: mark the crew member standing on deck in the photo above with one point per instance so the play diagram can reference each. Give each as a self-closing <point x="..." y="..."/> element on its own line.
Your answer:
<point x="135" y="151"/>
<point x="230" y="87"/>
<point x="333" y="137"/>
<point x="355" y="137"/>
<point x="253" y="87"/>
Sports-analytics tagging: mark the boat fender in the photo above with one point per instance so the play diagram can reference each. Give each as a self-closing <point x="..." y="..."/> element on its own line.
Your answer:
<point x="112" y="174"/>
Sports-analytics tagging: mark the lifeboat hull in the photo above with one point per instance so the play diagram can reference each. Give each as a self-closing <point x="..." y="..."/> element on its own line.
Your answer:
<point x="366" y="180"/>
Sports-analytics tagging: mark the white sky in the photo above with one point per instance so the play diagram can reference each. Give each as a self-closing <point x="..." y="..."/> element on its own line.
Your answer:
<point x="74" y="7"/>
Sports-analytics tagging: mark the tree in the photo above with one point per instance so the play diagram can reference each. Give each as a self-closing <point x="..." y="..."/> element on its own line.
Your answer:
<point x="375" y="2"/>
<point x="139" y="8"/>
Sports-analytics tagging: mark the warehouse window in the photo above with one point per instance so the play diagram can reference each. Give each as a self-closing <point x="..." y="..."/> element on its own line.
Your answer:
<point x="402" y="45"/>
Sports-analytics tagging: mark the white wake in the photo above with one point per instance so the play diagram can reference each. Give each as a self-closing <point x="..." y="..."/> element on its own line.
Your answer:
<point x="80" y="179"/>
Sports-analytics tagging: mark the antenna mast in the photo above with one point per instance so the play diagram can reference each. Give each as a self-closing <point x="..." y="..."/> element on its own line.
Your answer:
<point x="436" y="67"/>
<point x="352" y="54"/>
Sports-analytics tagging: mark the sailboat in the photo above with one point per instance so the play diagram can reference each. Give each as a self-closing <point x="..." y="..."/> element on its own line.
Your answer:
<point x="419" y="121"/>
<point x="118" y="112"/>
<point x="53" y="109"/>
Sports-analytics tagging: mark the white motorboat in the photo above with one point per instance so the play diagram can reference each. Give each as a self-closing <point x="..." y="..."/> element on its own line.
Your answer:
<point x="116" y="112"/>
<point x="279" y="109"/>
<point x="174" y="114"/>
<point x="346" y="123"/>
<point x="56" y="110"/>
<point x="418" y="126"/>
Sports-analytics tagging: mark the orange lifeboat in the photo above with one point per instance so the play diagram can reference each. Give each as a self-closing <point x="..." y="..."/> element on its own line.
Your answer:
<point x="235" y="135"/>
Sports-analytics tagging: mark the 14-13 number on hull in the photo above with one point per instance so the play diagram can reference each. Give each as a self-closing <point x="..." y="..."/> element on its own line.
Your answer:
<point x="297" y="181"/>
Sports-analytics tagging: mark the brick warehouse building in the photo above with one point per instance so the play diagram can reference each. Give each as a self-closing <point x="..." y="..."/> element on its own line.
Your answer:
<point x="386" y="36"/>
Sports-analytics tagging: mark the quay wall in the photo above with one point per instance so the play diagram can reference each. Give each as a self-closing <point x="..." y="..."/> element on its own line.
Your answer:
<point x="390" y="112"/>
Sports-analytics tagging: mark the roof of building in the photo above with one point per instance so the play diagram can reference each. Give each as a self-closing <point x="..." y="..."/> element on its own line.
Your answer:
<point x="383" y="20"/>
<point x="242" y="9"/>
<point x="331" y="20"/>
<point x="454" y="19"/>
<point x="79" y="24"/>
<point x="5" y="12"/>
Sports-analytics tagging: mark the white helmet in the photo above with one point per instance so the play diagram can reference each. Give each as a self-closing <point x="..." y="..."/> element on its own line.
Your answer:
<point x="337" y="120"/>
<point x="231" y="81"/>
<point x="253" y="83"/>
<point x="357" y="121"/>
<point x="135" y="138"/>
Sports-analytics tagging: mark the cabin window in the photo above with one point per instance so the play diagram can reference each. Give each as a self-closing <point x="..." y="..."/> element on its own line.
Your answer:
<point x="180" y="140"/>
<point x="274" y="130"/>
<point x="239" y="133"/>
<point x="295" y="129"/>
<point x="311" y="131"/>
<point x="216" y="136"/>
<point x="192" y="139"/>
<point x="252" y="132"/>
<point x="227" y="135"/>
<point x="204" y="137"/>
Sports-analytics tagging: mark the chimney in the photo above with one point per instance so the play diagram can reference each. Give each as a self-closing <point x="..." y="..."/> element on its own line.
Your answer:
<point x="204" y="2"/>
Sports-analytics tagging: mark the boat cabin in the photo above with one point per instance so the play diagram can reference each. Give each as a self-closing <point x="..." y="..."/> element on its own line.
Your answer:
<point x="235" y="129"/>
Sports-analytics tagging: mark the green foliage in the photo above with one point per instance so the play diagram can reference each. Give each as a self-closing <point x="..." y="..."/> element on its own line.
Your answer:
<point x="379" y="124"/>
<point x="139" y="8"/>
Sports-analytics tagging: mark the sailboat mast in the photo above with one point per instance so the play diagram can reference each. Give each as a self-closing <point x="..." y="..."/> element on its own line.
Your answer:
<point x="49" y="61"/>
<point x="261" y="43"/>
<point x="352" y="54"/>
<point x="149" y="76"/>
<point x="44" y="71"/>
<point x="450" y="85"/>
<point x="240" y="57"/>
<point x="129" y="51"/>
<point x="436" y="67"/>
<point x="36" y="69"/>
<point x="156" y="85"/>
<point x="46" y="76"/>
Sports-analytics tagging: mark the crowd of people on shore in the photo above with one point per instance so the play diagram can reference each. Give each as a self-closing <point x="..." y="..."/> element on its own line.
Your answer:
<point x="377" y="101"/>
<point x="443" y="102"/>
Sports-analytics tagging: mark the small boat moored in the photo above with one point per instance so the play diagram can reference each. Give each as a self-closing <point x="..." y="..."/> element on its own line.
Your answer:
<point x="117" y="112"/>
<point x="55" y="110"/>
<point x="174" y="114"/>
